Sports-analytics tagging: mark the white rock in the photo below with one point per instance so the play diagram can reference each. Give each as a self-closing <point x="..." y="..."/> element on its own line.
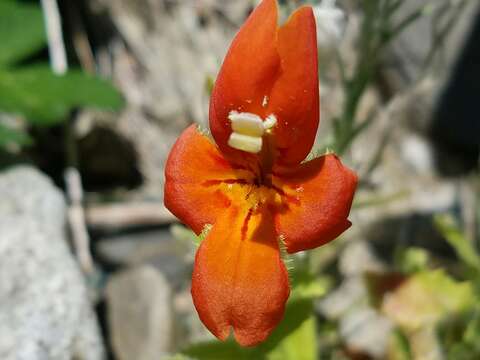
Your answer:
<point x="357" y="258"/>
<point x="367" y="331"/>
<point x="44" y="309"/>
<point x="350" y="293"/>
<point x="417" y="154"/>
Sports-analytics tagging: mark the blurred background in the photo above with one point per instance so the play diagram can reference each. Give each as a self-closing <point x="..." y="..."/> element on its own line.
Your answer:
<point x="93" y="93"/>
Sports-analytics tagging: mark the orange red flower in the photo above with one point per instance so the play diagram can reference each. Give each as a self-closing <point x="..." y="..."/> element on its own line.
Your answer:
<point x="251" y="184"/>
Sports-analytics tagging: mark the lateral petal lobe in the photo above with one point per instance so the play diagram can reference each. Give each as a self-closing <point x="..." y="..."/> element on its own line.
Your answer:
<point x="194" y="173"/>
<point x="323" y="191"/>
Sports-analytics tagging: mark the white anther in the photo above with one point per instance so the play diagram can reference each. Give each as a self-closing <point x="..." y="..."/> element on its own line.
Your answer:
<point x="265" y="101"/>
<point x="270" y="122"/>
<point x="246" y="123"/>
<point x="251" y="144"/>
<point x="248" y="130"/>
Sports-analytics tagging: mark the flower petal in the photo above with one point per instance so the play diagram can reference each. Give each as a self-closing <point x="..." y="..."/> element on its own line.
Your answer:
<point x="318" y="196"/>
<point x="294" y="98"/>
<point x="247" y="73"/>
<point x="239" y="279"/>
<point x="195" y="177"/>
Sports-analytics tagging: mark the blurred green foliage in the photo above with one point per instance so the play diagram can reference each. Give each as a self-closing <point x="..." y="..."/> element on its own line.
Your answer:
<point x="34" y="92"/>
<point x="46" y="99"/>
<point x="21" y="31"/>
<point x="411" y="260"/>
<point x="427" y="297"/>
<point x="459" y="242"/>
<point x="8" y="135"/>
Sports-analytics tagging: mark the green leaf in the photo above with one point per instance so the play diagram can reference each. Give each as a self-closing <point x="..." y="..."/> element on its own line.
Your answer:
<point x="466" y="346"/>
<point x="9" y="135"/>
<point x="412" y="259"/>
<point x="379" y="200"/>
<point x="45" y="98"/>
<point x="188" y="236"/>
<point x="299" y="343"/>
<point x="466" y="252"/>
<point x="398" y="346"/>
<point x="294" y="338"/>
<point x="426" y="298"/>
<point x="209" y="83"/>
<point x="221" y="351"/>
<point x="463" y="351"/>
<point x="472" y="332"/>
<point x="182" y="233"/>
<point x="307" y="286"/>
<point x="21" y="31"/>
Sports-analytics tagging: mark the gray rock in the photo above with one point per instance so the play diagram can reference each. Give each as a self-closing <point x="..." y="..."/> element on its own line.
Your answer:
<point x="361" y="327"/>
<point x="351" y="293"/>
<point x="367" y="331"/>
<point x="190" y="329"/>
<point x="417" y="154"/>
<point x="44" y="308"/>
<point x="357" y="258"/>
<point x="171" y="256"/>
<point x="140" y="314"/>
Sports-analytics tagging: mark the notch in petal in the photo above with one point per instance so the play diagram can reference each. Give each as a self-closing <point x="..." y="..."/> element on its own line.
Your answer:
<point x="239" y="280"/>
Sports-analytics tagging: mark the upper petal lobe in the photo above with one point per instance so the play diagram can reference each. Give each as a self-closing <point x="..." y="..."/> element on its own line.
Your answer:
<point x="247" y="73"/>
<point x="271" y="70"/>
<point x="294" y="98"/>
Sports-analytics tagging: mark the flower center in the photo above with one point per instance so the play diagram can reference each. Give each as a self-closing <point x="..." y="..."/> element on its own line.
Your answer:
<point x="254" y="135"/>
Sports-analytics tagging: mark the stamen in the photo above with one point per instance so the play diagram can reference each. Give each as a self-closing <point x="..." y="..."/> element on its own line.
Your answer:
<point x="265" y="101"/>
<point x="270" y="122"/>
<point x="246" y="123"/>
<point x="248" y="130"/>
<point x="251" y="144"/>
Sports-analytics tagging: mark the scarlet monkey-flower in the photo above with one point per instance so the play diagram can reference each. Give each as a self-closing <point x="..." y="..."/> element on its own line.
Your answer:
<point x="251" y="184"/>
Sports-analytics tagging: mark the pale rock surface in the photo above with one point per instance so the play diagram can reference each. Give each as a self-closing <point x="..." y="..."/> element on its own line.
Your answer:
<point x="140" y="314"/>
<point x="45" y="312"/>
<point x="172" y="257"/>
<point x="368" y="331"/>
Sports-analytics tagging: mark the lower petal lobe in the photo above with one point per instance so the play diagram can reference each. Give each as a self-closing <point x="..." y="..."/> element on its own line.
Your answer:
<point x="239" y="280"/>
<point x="195" y="175"/>
<point x="319" y="196"/>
